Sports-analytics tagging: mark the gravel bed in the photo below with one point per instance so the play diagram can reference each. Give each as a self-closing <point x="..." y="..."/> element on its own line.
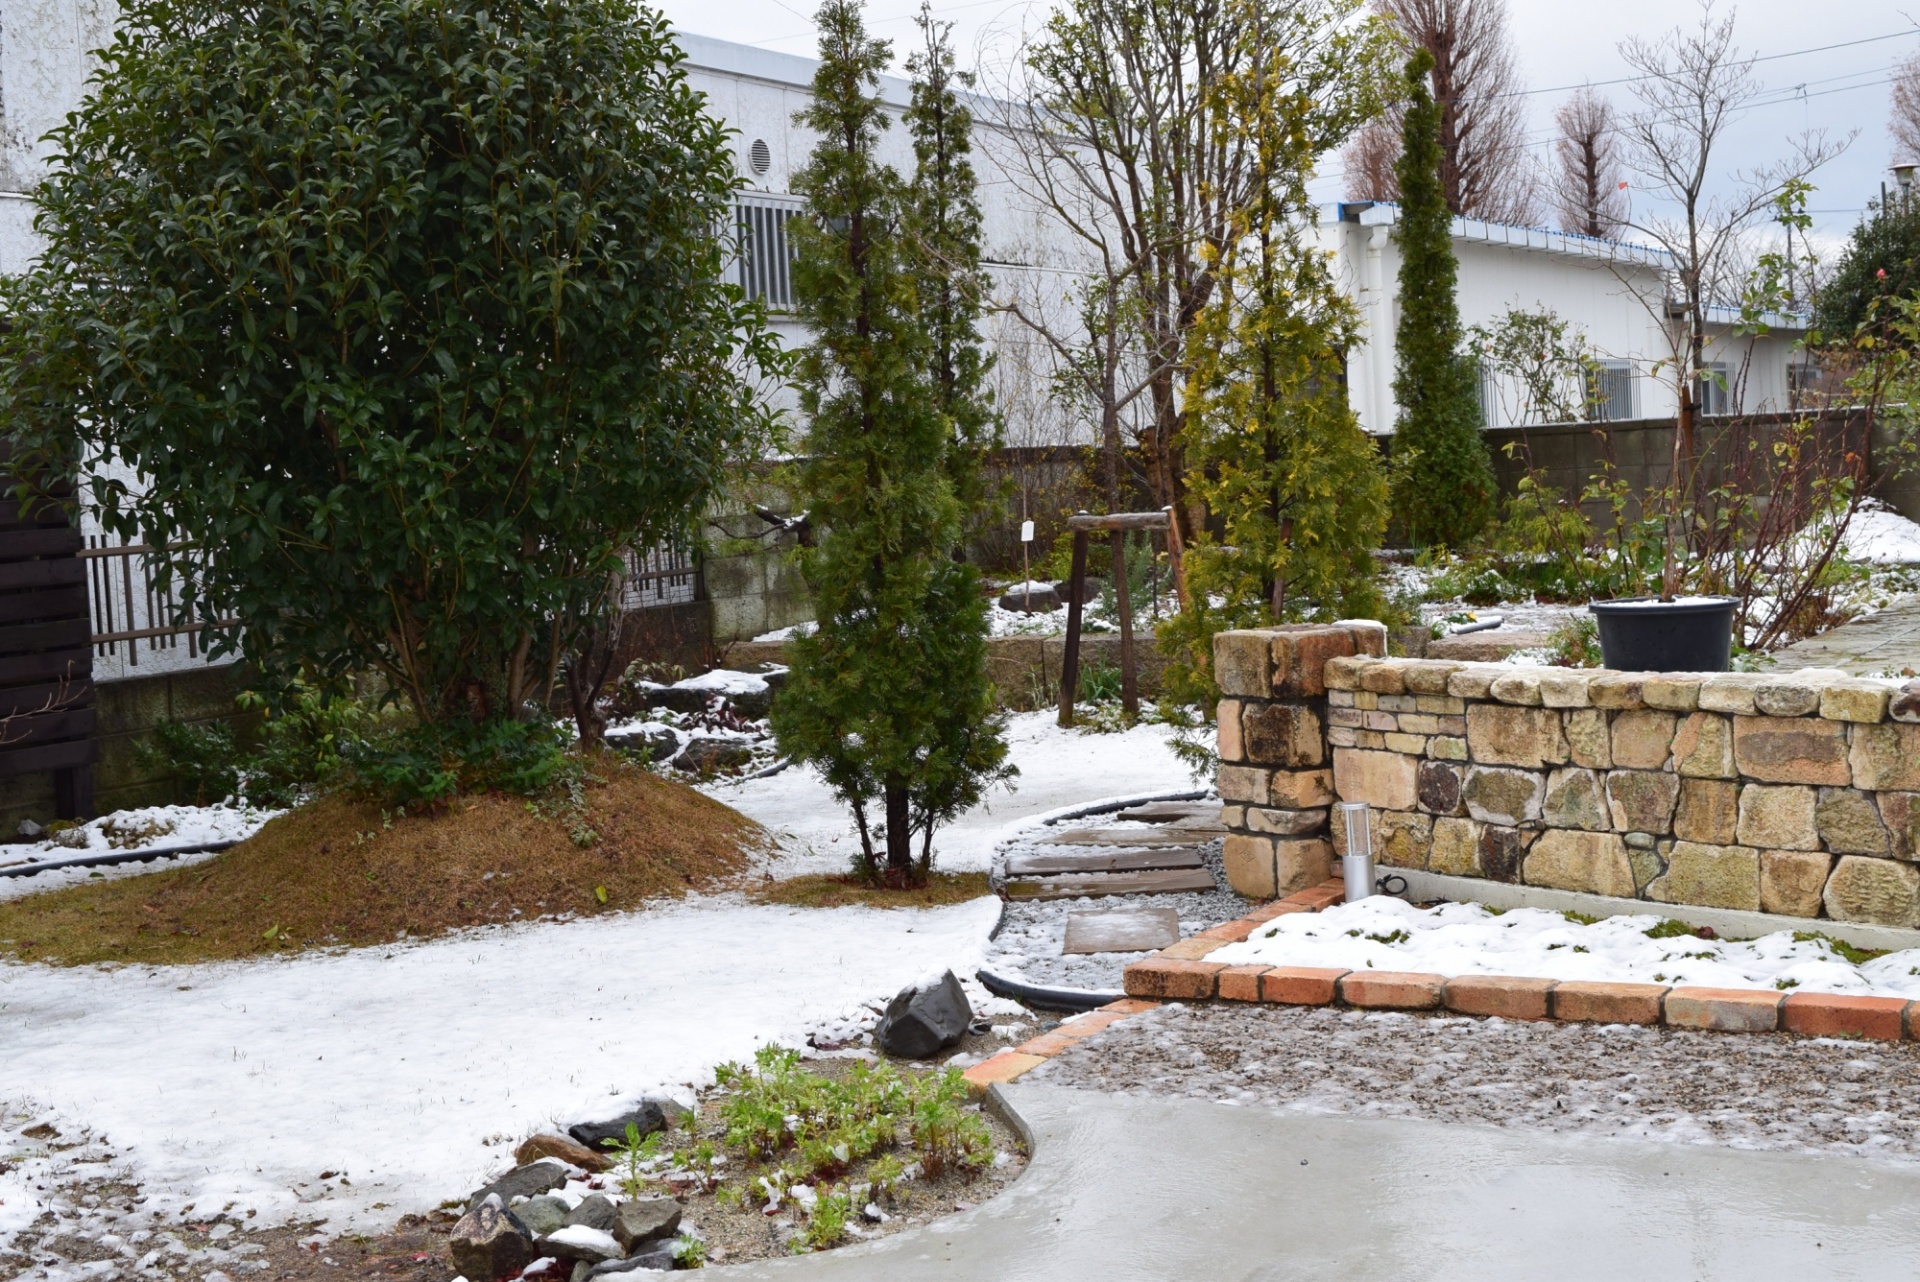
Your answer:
<point x="1033" y="932"/>
<point x="1753" y="1091"/>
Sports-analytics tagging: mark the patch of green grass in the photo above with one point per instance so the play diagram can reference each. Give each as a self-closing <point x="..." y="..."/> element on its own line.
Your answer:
<point x="1668" y="929"/>
<point x="1840" y="946"/>
<point x="1581" y="919"/>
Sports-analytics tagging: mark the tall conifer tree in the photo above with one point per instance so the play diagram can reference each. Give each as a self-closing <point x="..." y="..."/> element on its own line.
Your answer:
<point x="889" y="696"/>
<point x="1445" y="489"/>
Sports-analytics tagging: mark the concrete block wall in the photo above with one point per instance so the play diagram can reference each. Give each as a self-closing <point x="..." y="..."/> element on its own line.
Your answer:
<point x="1275" y="777"/>
<point x="1796" y="794"/>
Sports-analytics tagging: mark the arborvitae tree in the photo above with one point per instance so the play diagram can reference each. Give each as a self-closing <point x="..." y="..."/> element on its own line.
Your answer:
<point x="889" y="696"/>
<point x="1293" y="483"/>
<point x="944" y="218"/>
<point x="1445" y="488"/>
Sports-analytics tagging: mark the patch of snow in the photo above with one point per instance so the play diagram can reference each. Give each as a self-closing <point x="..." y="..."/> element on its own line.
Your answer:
<point x="788" y="633"/>
<point x="1384" y="933"/>
<point x="238" y="1082"/>
<point x="1060" y="770"/>
<point x="724" y="681"/>
<point x="1881" y="536"/>
<point x="144" y="828"/>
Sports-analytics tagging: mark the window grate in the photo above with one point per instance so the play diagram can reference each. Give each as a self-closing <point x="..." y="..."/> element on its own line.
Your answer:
<point x="766" y="252"/>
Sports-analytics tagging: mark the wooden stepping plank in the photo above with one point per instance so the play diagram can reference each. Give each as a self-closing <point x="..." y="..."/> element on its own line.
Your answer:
<point x="1159" y="812"/>
<point x="1163" y="837"/>
<point x="1116" y="883"/>
<point x="1028" y="865"/>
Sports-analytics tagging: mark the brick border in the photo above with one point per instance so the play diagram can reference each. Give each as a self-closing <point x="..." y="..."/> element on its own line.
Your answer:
<point x="1183" y="973"/>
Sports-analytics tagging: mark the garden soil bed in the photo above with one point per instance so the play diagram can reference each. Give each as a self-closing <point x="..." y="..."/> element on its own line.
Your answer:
<point x="340" y="871"/>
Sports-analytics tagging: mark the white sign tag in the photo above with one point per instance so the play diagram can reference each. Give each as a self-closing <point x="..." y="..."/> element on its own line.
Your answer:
<point x="1026" y="531"/>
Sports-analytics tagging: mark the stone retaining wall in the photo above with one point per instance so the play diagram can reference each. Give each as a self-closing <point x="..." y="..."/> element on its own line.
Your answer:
<point x="1796" y="794"/>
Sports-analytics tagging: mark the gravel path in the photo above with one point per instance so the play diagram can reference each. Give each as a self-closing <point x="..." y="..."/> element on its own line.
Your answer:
<point x="1032" y="933"/>
<point x="1761" y="1091"/>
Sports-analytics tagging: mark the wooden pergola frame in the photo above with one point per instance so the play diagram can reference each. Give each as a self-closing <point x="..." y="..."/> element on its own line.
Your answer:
<point x="1116" y="524"/>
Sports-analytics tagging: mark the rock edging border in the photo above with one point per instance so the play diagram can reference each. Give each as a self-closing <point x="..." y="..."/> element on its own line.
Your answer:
<point x="1183" y="973"/>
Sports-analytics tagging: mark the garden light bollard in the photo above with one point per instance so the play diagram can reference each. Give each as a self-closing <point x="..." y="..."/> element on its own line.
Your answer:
<point x="1356" y="866"/>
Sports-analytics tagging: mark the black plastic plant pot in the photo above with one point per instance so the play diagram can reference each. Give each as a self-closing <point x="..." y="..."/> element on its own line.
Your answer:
<point x="1646" y="634"/>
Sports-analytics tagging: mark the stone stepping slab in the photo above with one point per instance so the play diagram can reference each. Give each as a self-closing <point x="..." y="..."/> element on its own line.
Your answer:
<point x="1032" y="865"/>
<point x="1124" y="837"/>
<point x="1123" y="930"/>
<point x="1115" y="883"/>
<point x="1160" y="812"/>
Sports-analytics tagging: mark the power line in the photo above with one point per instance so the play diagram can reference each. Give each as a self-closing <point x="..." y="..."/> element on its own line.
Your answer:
<point x="1770" y="57"/>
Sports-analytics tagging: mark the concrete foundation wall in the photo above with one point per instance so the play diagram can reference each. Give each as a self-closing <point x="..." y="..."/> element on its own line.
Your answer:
<point x="1796" y="794"/>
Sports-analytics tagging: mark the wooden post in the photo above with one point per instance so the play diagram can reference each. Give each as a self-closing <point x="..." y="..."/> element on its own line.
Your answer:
<point x="1129" y="687"/>
<point x="1070" y="662"/>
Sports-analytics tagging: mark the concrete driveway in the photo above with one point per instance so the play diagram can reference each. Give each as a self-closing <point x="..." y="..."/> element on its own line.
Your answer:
<point x="1157" y="1190"/>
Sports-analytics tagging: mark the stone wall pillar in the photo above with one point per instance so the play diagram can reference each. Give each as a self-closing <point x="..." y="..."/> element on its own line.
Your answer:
<point x="1275" y="776"/>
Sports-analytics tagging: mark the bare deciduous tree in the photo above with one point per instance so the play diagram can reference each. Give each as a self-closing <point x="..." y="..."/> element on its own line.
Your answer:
<point x="1905" y="124"/>
<point x="1485" y="168"/>
<point x="1586" y="187"/>
<point x="1693" y="84"/>
<point x="1111" y="129"/>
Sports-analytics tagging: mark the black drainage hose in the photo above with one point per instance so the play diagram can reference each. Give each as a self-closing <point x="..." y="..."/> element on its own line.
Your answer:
<point x="115" y="857"/>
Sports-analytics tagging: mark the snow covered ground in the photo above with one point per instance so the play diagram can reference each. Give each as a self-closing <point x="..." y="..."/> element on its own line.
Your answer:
<point x="1384" y="933"/>
<point x="411" y="1071"/>
<point x="1059" y="770"/>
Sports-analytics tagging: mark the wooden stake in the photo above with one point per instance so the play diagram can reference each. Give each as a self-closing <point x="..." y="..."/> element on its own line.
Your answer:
<point x="1070" y="662"/>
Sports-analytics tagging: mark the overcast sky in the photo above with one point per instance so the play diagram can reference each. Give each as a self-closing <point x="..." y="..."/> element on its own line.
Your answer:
<point x="1558" y="42"/>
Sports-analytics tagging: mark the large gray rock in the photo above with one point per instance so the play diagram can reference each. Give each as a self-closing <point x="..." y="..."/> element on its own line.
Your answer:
<point x="656" y="1258"/>
<point x="530" y="1180"/>
<point x="751" y="705"/>
<point x="678" y="699"/>
<point x="1041" y="598"/>
<point x="651" y="742"/>
<point x="704" y="755"/>
<point x="924" y="1021"/>
<point x="579" y="1242"/>
<point x="489" y="1242"/>
<point x="594" y="1211"/>
<point x="645" y="1219"/>
<point x="647" y="1118"/>
<point x="542" y="1215"/>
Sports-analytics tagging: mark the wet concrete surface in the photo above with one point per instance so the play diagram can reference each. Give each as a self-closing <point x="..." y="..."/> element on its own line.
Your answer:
<point x="1161" y="1189"/>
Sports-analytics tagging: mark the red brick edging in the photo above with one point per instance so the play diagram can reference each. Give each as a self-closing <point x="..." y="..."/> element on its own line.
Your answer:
<point x="1183" y="973"/>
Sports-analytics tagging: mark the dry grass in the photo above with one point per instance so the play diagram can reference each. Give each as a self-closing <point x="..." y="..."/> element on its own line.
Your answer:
<point x="821" y="890"/>
<point x="337" y="872"/>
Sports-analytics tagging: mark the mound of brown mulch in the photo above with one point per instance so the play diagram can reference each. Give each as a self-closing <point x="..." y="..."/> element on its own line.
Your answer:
<point x="339" y="871"/>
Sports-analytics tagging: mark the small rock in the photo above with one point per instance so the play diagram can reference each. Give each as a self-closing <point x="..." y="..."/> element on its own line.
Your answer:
<point x="563" y="1149"/>
<point x="528" y="1180"/>
<point x="542" y="1215"/>
<point x="647" y="1118"/>
<point x="1039" y="599"/>
<point x="645" y="1219"/>
<point x="594" y="1211"/>
<point x="29" y="829"/>
<point x="704" y="755"/>
<point x="658" y="1258"/>
<point x="1905" y="707"/>
<point x="490" y="1242"/>
<point x="578" y="1242"/>
<point x="650" y="742"/>
<point x="582" y="1270"/>
<point x="923" y="1021"/>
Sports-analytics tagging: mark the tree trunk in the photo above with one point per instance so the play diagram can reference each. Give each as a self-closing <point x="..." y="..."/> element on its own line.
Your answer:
<point x="899" y="837"/>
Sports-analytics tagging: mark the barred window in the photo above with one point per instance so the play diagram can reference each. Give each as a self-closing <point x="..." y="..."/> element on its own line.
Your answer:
<point x="659" y="576"/>
<point x="766" y="256"/>
<point x="1610" y="391"/>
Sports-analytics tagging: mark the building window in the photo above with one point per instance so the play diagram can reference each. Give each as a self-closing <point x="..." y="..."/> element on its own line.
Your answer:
<point x="1610" y="392"/>
<point x="1710" y="388"/>
<point x="766" y="254"/>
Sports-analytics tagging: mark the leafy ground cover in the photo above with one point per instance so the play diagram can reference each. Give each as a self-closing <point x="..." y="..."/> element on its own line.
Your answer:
<point x="342" y="871"/>
<point x="785" y="1155"/>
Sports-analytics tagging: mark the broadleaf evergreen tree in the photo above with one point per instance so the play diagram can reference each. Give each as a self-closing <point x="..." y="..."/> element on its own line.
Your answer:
<point x="1444" y="491"/>
<point x="888" y="697"/>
